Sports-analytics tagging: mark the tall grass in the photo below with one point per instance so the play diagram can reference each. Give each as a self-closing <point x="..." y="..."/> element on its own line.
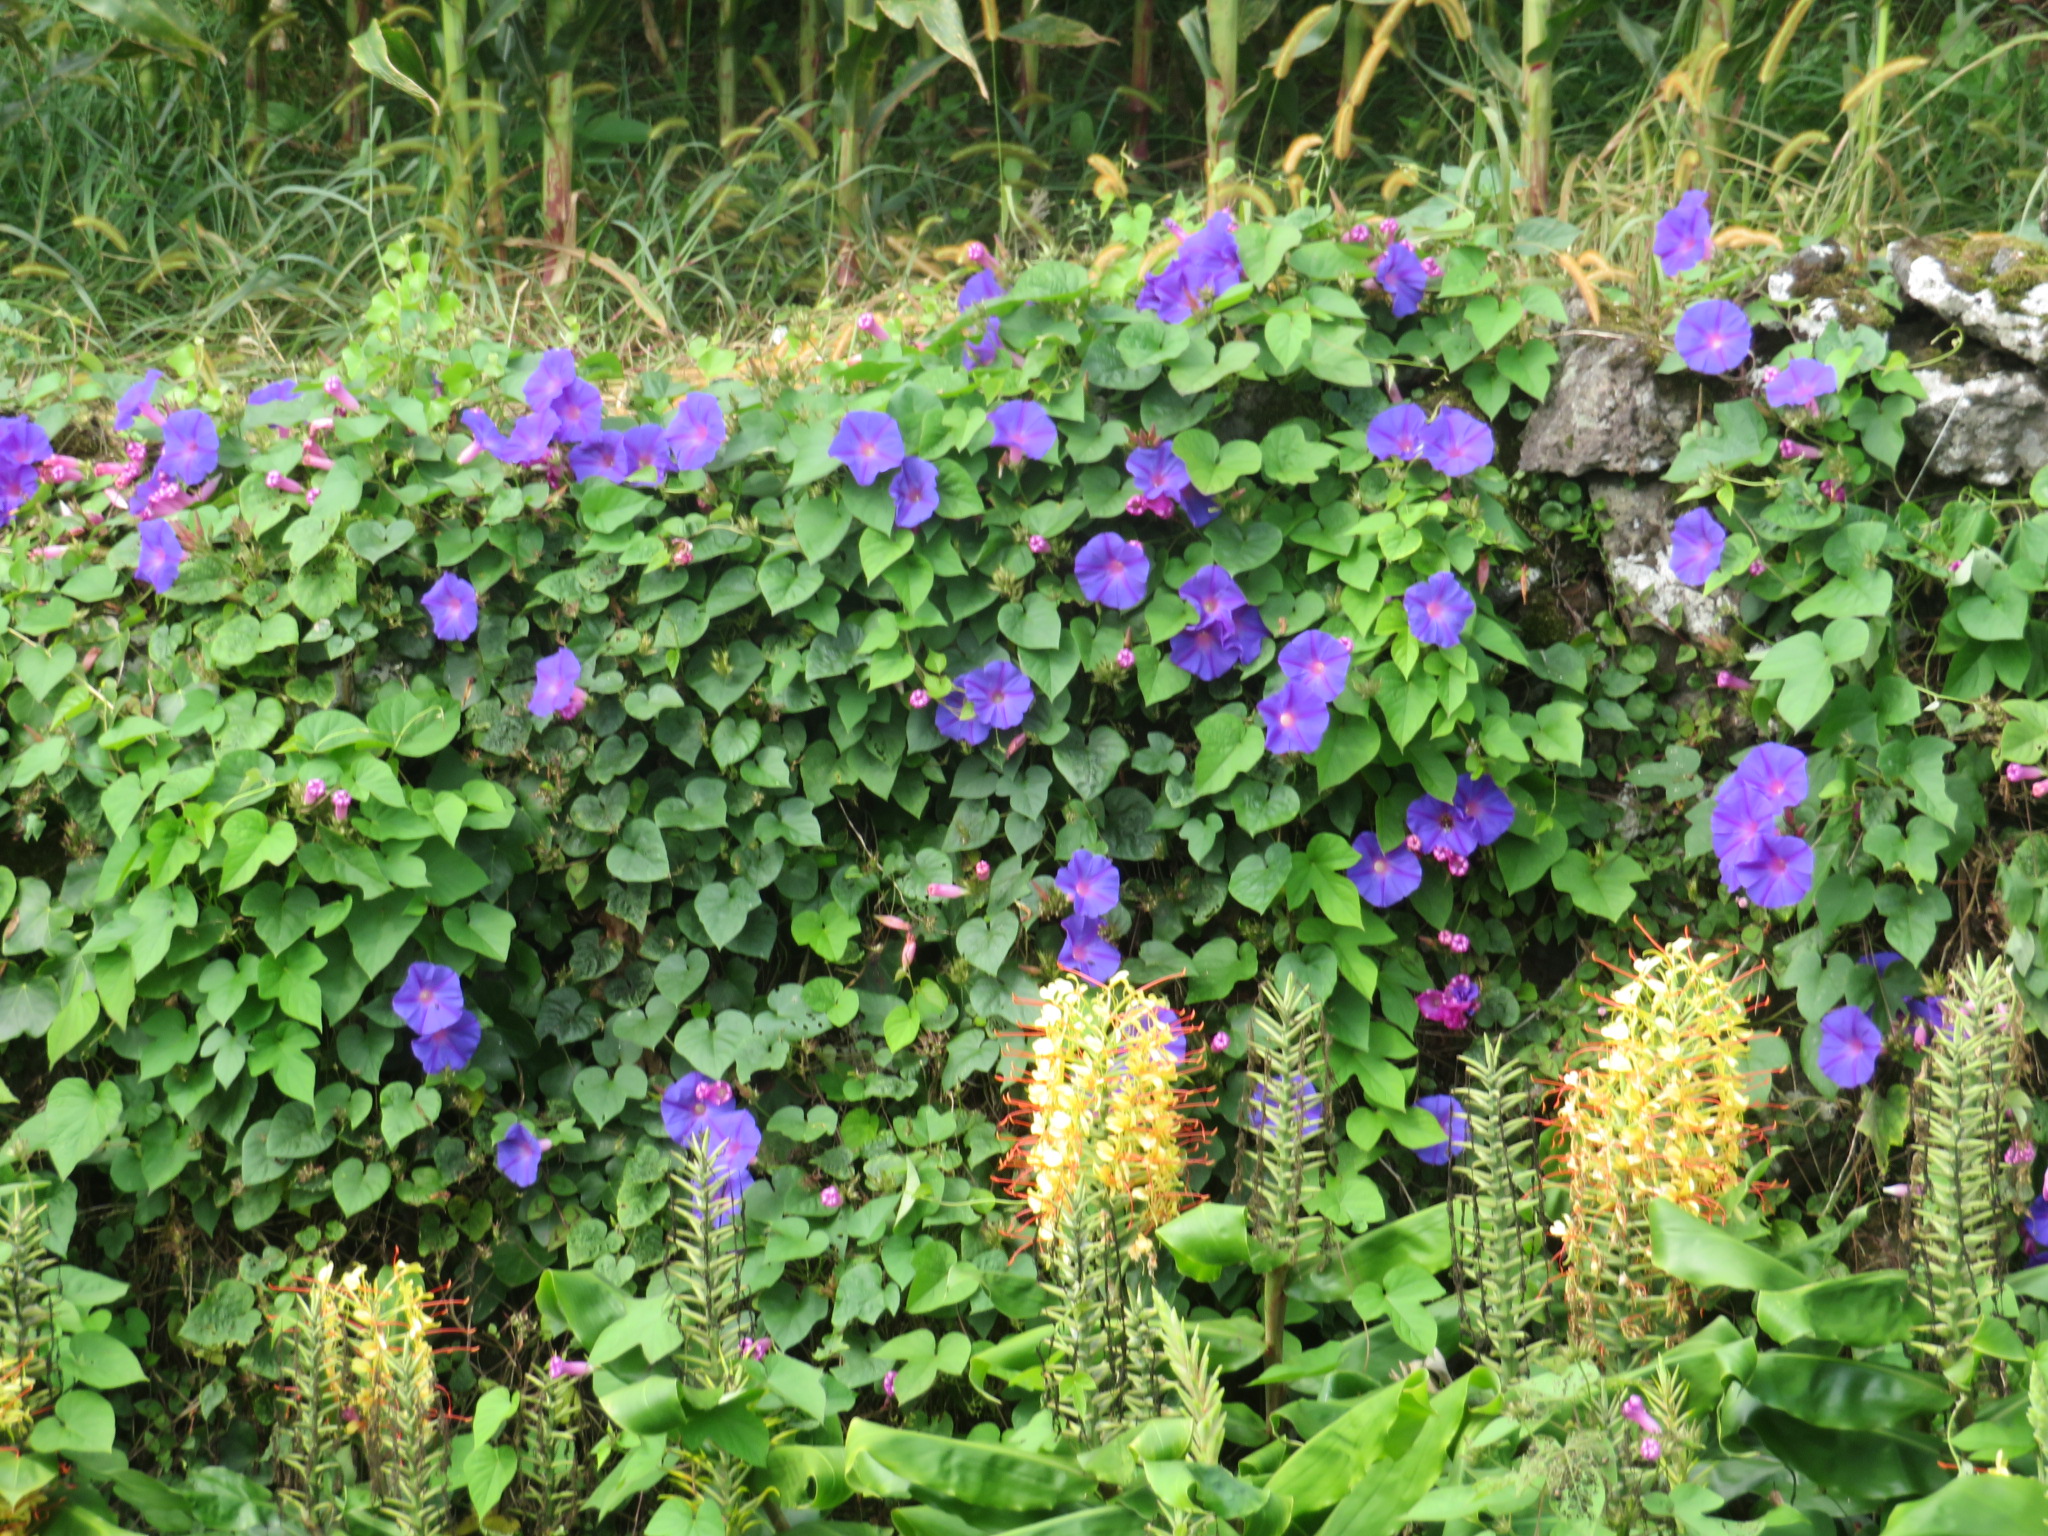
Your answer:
<point x="146" y="199"/>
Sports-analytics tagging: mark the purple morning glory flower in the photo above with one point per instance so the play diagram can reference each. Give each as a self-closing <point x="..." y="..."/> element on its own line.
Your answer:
<point x="1317" y="662"/>
<point x="1439" y="824"/>
<point x="1881" y="960"/>
<point x="23" y="442"/>
<point x="1777" y="772"/>
<point x="1697" y="540"/>
<point x="955" y="722"/>
<point x="1206" y="651"/>
<point x="1091" y="882"/>
<point x="1213" y="593"/>
<point x="449" y="1048"/>
<point x="1000" y="693"/>
<point x="1486" y="808"/>
<point x="1741" y="818"/>
<point x="869" y="444"/>
<point x="1685" y="235"/>
<point x="160" y="556"/>
<point x="554" y="683"/>
<point x="645" y="451"/>
<point x="1450" y="1114"/>
<point x="429" y="998"/>
<point x="1158" y="472"/>
<point x="1384" y="876"/>
<point x="486" y="434"/>
<point x="270" y="394"/>
<point x="135" y="399"/>
<point x="1849" y="1047"/>
<point x="1398" y="432"/>
<point x="697" y="431"/>
<point x="983" y="353"/>
<point x="1713" y="336"/>
<point x="578" y="411"/>
<point x="191" y="447"/>
<point x="2035" y="1224"/>
<point x="1800" y="382"/>
<point x="1112" y="570"/>
<point x="1086" y="951"/>
<point x="531" y="439"/>
<point x="1778" y="871"/>
<point x="1209" y="256"/>
<point x="1200" y="508"/>
<point x="451" y="604"/>
<point x="554" y="374"/>
<point x="1264" y="1106"/>
<point x="600" y="456"/>
<point x="1402" y="275"/>
<point x="1023" y="430"/>
<point x="1297" y="718"/>
<point x="1457" y="443"/>
<point x="695" y="1105"/>
<point x="519" y="1155"/>
<point x="1438" y="609"/>
<point x="915" y="490"/>
<point x="982" y="288"/>
<point x="1929" y="1011"/>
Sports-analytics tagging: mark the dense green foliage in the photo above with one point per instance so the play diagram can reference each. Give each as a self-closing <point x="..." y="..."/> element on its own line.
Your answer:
<point x="199" y="964"/>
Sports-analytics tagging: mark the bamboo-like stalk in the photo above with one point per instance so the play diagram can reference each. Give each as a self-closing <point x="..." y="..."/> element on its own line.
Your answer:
<point x="455" y="109"/>
<point x="1221" y="93"/>
<point x="488" y="112"/>
<point x="1536" y="105"/>
<point x="1868" y="115"/>
<point x="852" y="68"/>
<point x="558" y="152"/>
<point x="728" y="69"/>
<point x="1144" y="26"/>
<point x="1716" y="35"/>
<point x="810" y="55"/>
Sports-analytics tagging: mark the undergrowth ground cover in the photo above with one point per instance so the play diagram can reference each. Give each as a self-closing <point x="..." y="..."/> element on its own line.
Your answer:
<point x="1073" y="910"/>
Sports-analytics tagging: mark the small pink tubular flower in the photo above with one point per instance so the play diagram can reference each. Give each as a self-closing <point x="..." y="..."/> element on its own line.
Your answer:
<point x="830" y="1198"/>
<point x="944" y="890"/>
<point x="682" y="553"/>
<point x="47" y="552"/>
<point x="316" y="791"/>
<point x="889" y="1385"/>
<point x="1038" y="543"/>
<point x="343" y="800"/>
<point x="919" y="698"/>
<point x="909" y="954"/>
<point x="337" y="391"/>
<point x="1125" y="659"/>
<point x="279" y="481"/>
<point x="1219" y="1041"/>
<point x="2019" y="1155"/>
<point x="1756" y="567"/>
<point x="1834" y="490"/>
<point x="1636" y="1413"/>
<point x="2017" y="774"/>
<point x="981" y="869"/>
<point x="890" y="921"/>
<point x="1432" y="266"/>
<point x="1357" y="234"/>
<point x="313" y="456"/>
<point x="1789" y="448"/>
<point x="868" y="325"/>
<point x="1733" y="680"/>
<point x="1652" y="1448"/>
<point x="1389" y="228"/>
<point x="560" y="1368"/>
<point x="61" y="469"/>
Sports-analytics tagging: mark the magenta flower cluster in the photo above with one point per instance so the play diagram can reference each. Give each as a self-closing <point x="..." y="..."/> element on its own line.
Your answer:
<point x="1478" y="814"/>
<point x="1161" y="486"/>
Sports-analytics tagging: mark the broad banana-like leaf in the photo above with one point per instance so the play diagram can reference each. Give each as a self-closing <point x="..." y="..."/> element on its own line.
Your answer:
<point x="941" y="22"/>
<point x="159" y="23"/>
<point x="388" y="53"/>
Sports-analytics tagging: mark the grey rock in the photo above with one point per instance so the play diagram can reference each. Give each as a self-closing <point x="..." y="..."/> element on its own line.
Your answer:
<point x="1609" y="411"/>
<point x="1991" y="429"/>
<point x="1636" y="545"/>
<point x="1927" y="273"/>
<point x="1794" y="288"/>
